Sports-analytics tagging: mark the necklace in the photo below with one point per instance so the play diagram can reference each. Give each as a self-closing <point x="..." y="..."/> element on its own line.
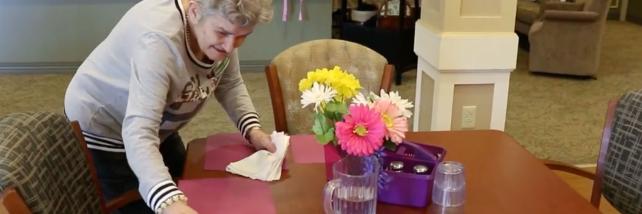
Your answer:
<point x="193" y="48"/>
<point x="188" y="34"/>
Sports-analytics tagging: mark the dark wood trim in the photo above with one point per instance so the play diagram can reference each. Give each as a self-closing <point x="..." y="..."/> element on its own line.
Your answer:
<point x="556" y="165"/>
<point x="90" y="163"/>
<point x="276" y="94"/>
<point x="596" y="193"/>
<point x="105" y="206"/>
<point x="13" y="202"/>
<point x="122" y="200"/>
<point x="386" y="77"/>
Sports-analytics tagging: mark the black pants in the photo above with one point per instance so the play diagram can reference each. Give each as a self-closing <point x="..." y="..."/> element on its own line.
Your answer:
<point x="116" y="177"/>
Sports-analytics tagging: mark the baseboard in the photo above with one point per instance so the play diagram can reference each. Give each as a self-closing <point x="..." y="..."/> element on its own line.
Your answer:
<point x="634" y="19"/>
<point x="71" y="67"/>
<point x="253" y="65"/>
<point x="38" y="67"/>
<point x="613" y="16"/>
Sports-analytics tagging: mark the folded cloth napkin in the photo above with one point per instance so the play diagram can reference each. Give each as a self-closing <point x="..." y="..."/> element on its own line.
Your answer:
<point x="263" y="165"/>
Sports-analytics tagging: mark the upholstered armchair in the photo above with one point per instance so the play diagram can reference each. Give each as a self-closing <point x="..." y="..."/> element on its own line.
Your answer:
<point x="619" y="165"/>
<point x="529" y="11"/>
<point x="45" y="167"/>
<point x="291" y="65"/>
<point x="568" y="42"/>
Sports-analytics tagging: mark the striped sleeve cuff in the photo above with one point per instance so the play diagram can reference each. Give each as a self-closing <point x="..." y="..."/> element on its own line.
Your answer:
<point x="97" y="142"/>
<point x="247" y="122"/>
<point x="160" y="193"/>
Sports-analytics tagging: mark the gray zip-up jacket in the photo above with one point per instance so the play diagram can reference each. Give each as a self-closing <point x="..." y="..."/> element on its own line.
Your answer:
<point x="143" y="83"/>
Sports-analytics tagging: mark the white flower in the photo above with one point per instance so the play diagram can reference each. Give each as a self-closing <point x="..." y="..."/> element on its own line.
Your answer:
<point x="317" y="95"/>
<point x="361" y="99"/>
<point x="403" y="104"/>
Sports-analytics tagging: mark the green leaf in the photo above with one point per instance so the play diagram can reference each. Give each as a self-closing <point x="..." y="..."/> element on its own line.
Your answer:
<point x="335" y="110"/>
<point x="343" y="108"/>
<point x="332" y="106"/>
<point x="327" y="137"/>
<point x="319" y="127"/>
<point x="329" y="114"/>
<point x="389" y="145"/>
<point x="323" y="130"/>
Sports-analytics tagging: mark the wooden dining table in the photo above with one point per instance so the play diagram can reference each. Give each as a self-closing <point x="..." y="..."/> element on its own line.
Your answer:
<point x="501" y="177"/>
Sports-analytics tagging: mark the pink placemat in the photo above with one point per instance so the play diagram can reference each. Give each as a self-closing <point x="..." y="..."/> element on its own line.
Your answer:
<point x="223" y="149"/>
<point x="228" y="195"/>
<point x="306" y="149"/>
<point x="224" y="139"/>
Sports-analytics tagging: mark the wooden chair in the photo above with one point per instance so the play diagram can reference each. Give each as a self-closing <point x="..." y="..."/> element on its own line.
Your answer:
<point x="45" y="167"/>
<point x="618" y="176"/>
<point x="290" y="66"/>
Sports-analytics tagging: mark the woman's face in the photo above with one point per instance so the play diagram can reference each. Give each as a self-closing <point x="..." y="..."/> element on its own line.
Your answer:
<point x="217" y="37"/>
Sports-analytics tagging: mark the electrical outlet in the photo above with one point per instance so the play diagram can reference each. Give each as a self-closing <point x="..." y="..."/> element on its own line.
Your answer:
<point x="468" y="116"/>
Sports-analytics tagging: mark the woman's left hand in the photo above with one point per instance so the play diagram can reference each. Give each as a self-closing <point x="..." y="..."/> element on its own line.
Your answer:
<point x="261" y="140"/>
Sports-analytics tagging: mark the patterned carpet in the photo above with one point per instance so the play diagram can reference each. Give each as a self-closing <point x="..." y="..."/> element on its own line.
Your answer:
<point x="554" y="117"/>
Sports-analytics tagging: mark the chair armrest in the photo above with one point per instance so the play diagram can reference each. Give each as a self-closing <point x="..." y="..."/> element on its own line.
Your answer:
<point x="122" y="200"/>
<point x="579" y="16"/>
<point x="13" y="202"/>
<point x="556" y="165"/>
<point x="566" y="6"/>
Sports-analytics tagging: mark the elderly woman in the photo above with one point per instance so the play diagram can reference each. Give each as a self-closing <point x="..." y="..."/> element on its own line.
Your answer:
<point x="148" y="78"/>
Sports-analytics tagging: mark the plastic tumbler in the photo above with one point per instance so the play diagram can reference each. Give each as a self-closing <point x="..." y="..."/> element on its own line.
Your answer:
<point x="449" y="187"/>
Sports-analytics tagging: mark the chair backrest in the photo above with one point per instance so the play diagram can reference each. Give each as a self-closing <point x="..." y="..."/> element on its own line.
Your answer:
<point x="292" y="65"/>
<point x="41" y="158"/>
<point x="619" y="171"/>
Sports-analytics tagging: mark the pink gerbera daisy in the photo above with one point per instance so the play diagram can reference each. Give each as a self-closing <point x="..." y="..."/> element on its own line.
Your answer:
<point x="396" y="124"/>
<point x="361" y="132"/>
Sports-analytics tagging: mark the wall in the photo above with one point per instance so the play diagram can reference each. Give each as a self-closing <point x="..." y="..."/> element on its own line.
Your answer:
<point x="634" y="12"/>
<point x="46" y="31"/>
<point x="426" y="103"/>
<point x="270" y="39"/>
<point x="479" y="95"/>
<point x="45" y="34"/>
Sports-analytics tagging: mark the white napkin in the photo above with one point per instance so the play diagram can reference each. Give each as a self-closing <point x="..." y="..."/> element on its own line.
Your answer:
<point x="263" y="165"/>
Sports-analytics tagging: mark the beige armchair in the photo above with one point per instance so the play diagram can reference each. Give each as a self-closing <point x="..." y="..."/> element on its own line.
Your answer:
<point x="529" y="11"/>
<point x="567" y="41"/>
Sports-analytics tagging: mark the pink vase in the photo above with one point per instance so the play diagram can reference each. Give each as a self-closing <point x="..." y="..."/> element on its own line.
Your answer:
<point x="332" y="155"/>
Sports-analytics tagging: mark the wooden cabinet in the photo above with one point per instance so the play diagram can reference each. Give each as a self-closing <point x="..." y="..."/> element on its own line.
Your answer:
<point x="395" y="43"/>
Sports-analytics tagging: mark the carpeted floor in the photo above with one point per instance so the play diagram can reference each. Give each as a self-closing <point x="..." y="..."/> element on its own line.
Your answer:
<point x="554" y="117"/>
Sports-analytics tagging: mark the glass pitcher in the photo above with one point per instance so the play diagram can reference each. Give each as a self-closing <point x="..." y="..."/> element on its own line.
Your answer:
<point x="354" y="186"/>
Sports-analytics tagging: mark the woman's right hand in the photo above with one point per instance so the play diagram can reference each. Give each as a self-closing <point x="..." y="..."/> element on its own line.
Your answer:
<point x="179" y="207"/>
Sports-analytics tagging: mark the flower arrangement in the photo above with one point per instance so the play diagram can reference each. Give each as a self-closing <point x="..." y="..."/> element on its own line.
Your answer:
<point x="361" y="128"/>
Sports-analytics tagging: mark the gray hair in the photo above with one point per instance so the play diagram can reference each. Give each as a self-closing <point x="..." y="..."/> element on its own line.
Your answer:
<point x="240" y="12"/>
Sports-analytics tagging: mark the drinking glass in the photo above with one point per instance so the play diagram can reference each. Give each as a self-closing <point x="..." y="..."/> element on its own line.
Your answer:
<point x="449" y="187"/>
<point x="353" y="189"/>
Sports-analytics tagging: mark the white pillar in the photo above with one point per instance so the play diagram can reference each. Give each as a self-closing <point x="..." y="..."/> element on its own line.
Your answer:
<point x="464" y="43"/>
